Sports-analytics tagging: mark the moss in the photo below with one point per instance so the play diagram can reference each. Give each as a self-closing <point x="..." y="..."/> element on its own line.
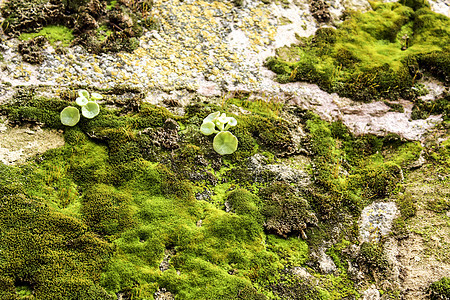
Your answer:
<point x="272" y="134"/>
<point x="407" y="206"/>
<point x="35" y="239"/>
<point x="423" y="109"/>
<point x="292" y="251"/>
<point x="416" y="4"/>
<point x="440" y="289"/>
<point x="27" y="18"/>
<point x="105" y="210"/>
<point x="373" y="256"/>
<point x="380" y="180"/>
<point x="291" y="287"/>
<point x="26" y="107"/>
<point x="372" y="55"/>
<point x="245" y="203"/>
<point x="285" y="212"/>
<point x="53" y="33"/>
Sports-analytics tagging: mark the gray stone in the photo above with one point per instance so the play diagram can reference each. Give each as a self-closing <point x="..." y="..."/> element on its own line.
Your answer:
<point x="371" y="294"/>
<point x="376" y="220"/>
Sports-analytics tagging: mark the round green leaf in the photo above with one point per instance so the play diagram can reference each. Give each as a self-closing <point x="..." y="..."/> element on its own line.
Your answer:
<point x="232" y="121"/>
<point x="90" y="110"/>
<point x="211" y="117"/>
<point x="96" y="96"/>
<point x="225" y="143"/>
<point x="84" y="93"/>
<point x="82" y="101"/>
<point x="70" y="116"/>
<point x="223" y="119"/>
<point x="208" y="128"/>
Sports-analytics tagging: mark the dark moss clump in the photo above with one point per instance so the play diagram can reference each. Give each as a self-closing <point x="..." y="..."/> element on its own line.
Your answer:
<point x="26" y="107"/>
<point x="436" y="63"/>
<point x="28" y="16"/>
<point x="373" y="258"/>
<point x="94" y="26"/>
<point x="285" y="212"/>
<point x="349" y="172"/>
<point x="105" y="210"/>
<point x="35" y="240"/>
<point x="440" y="290"/>
<point x="291" y="287"/>
<point x="31" y="50"/>
<point x="244" y="203"/>
<point x="423" y="109"/>
<point x="319" y="10"/>
<point x="380" y="180"/>
<point x="272" y="134"/>
<point x="378" y="54"/>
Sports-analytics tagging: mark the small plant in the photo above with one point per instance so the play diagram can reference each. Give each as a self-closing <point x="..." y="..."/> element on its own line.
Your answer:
<point x="89" y="108"/>
<point x="224" y="142"/>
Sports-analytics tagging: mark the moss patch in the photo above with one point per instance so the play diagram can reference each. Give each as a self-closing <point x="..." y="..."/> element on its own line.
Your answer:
<point x="168" y="212"/>
<point x="53" y="34"/>
<point x="370" y="55"/>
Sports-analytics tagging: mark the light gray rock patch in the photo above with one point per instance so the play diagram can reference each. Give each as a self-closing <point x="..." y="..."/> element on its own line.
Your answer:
<point x="376" y="220"/>
<point x="371" y="294"/>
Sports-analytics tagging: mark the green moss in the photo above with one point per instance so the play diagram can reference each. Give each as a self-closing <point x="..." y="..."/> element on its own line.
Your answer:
<point x="53" y="33"/>
<point x="423" y="109"/>
<point x="267" y="107"/>
<point x="35" y="240"/>
<point x="440" y="289"/>
<point x="245" y="203"/>
<point x="285" y="212"/>
<point x="105" y="210"/>
<point x="26" y="107"/>
<point x="111" y="4"/>
<point x="371" y="55"/>
<point x="292" y="251"/>
<point x="373" y="256"/>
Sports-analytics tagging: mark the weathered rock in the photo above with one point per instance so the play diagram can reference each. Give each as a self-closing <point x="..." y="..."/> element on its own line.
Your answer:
<point x="17" y="144"/>
<point x="376" y="221"/>
<point x="371" y="294"/>
<point x="326" y="264"/>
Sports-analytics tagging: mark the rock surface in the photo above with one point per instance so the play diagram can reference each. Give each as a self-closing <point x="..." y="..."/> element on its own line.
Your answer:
<point x="376" y="221"/>
<point x="214" y="51"/>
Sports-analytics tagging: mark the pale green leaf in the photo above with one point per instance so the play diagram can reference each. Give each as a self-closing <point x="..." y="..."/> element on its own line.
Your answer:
<point x="90" y="110"/>
<point x="225" y="143"/>
<point x="208" y="128"/>
<point x="82" y="101"/>
<point x="70" y="116"/>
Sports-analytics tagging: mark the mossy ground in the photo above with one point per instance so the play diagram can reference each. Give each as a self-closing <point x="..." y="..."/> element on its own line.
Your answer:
<point x="120" y="192"/>
<point x="100" y="26"/>
<point x="53" y="34"/>
<point x="378" y="54"/>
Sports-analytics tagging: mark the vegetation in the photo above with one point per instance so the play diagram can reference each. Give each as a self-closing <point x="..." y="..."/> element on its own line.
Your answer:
<point x="440" y="289"/>
<point x="372" y="55"/>
<point x="53" y="34"/>
<point x="128" y="192"/>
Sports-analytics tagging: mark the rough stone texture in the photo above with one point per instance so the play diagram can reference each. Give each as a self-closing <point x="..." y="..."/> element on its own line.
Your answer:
<point x="376" y="220"/>
<point x="18" y="144"/>
<point x="371" y="294"/>
<point x="326" y="264"/>
<point x="282" y="172"/>
<point x="301" y="272"/>
<point x="424" y="255"/>
<point x="211" y="49"/>
<point x="163" y="294"/>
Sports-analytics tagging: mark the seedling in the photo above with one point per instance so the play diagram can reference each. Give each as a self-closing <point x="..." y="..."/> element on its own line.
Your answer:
<point x="224" y="142"/>
<point x="89" y="108"/>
